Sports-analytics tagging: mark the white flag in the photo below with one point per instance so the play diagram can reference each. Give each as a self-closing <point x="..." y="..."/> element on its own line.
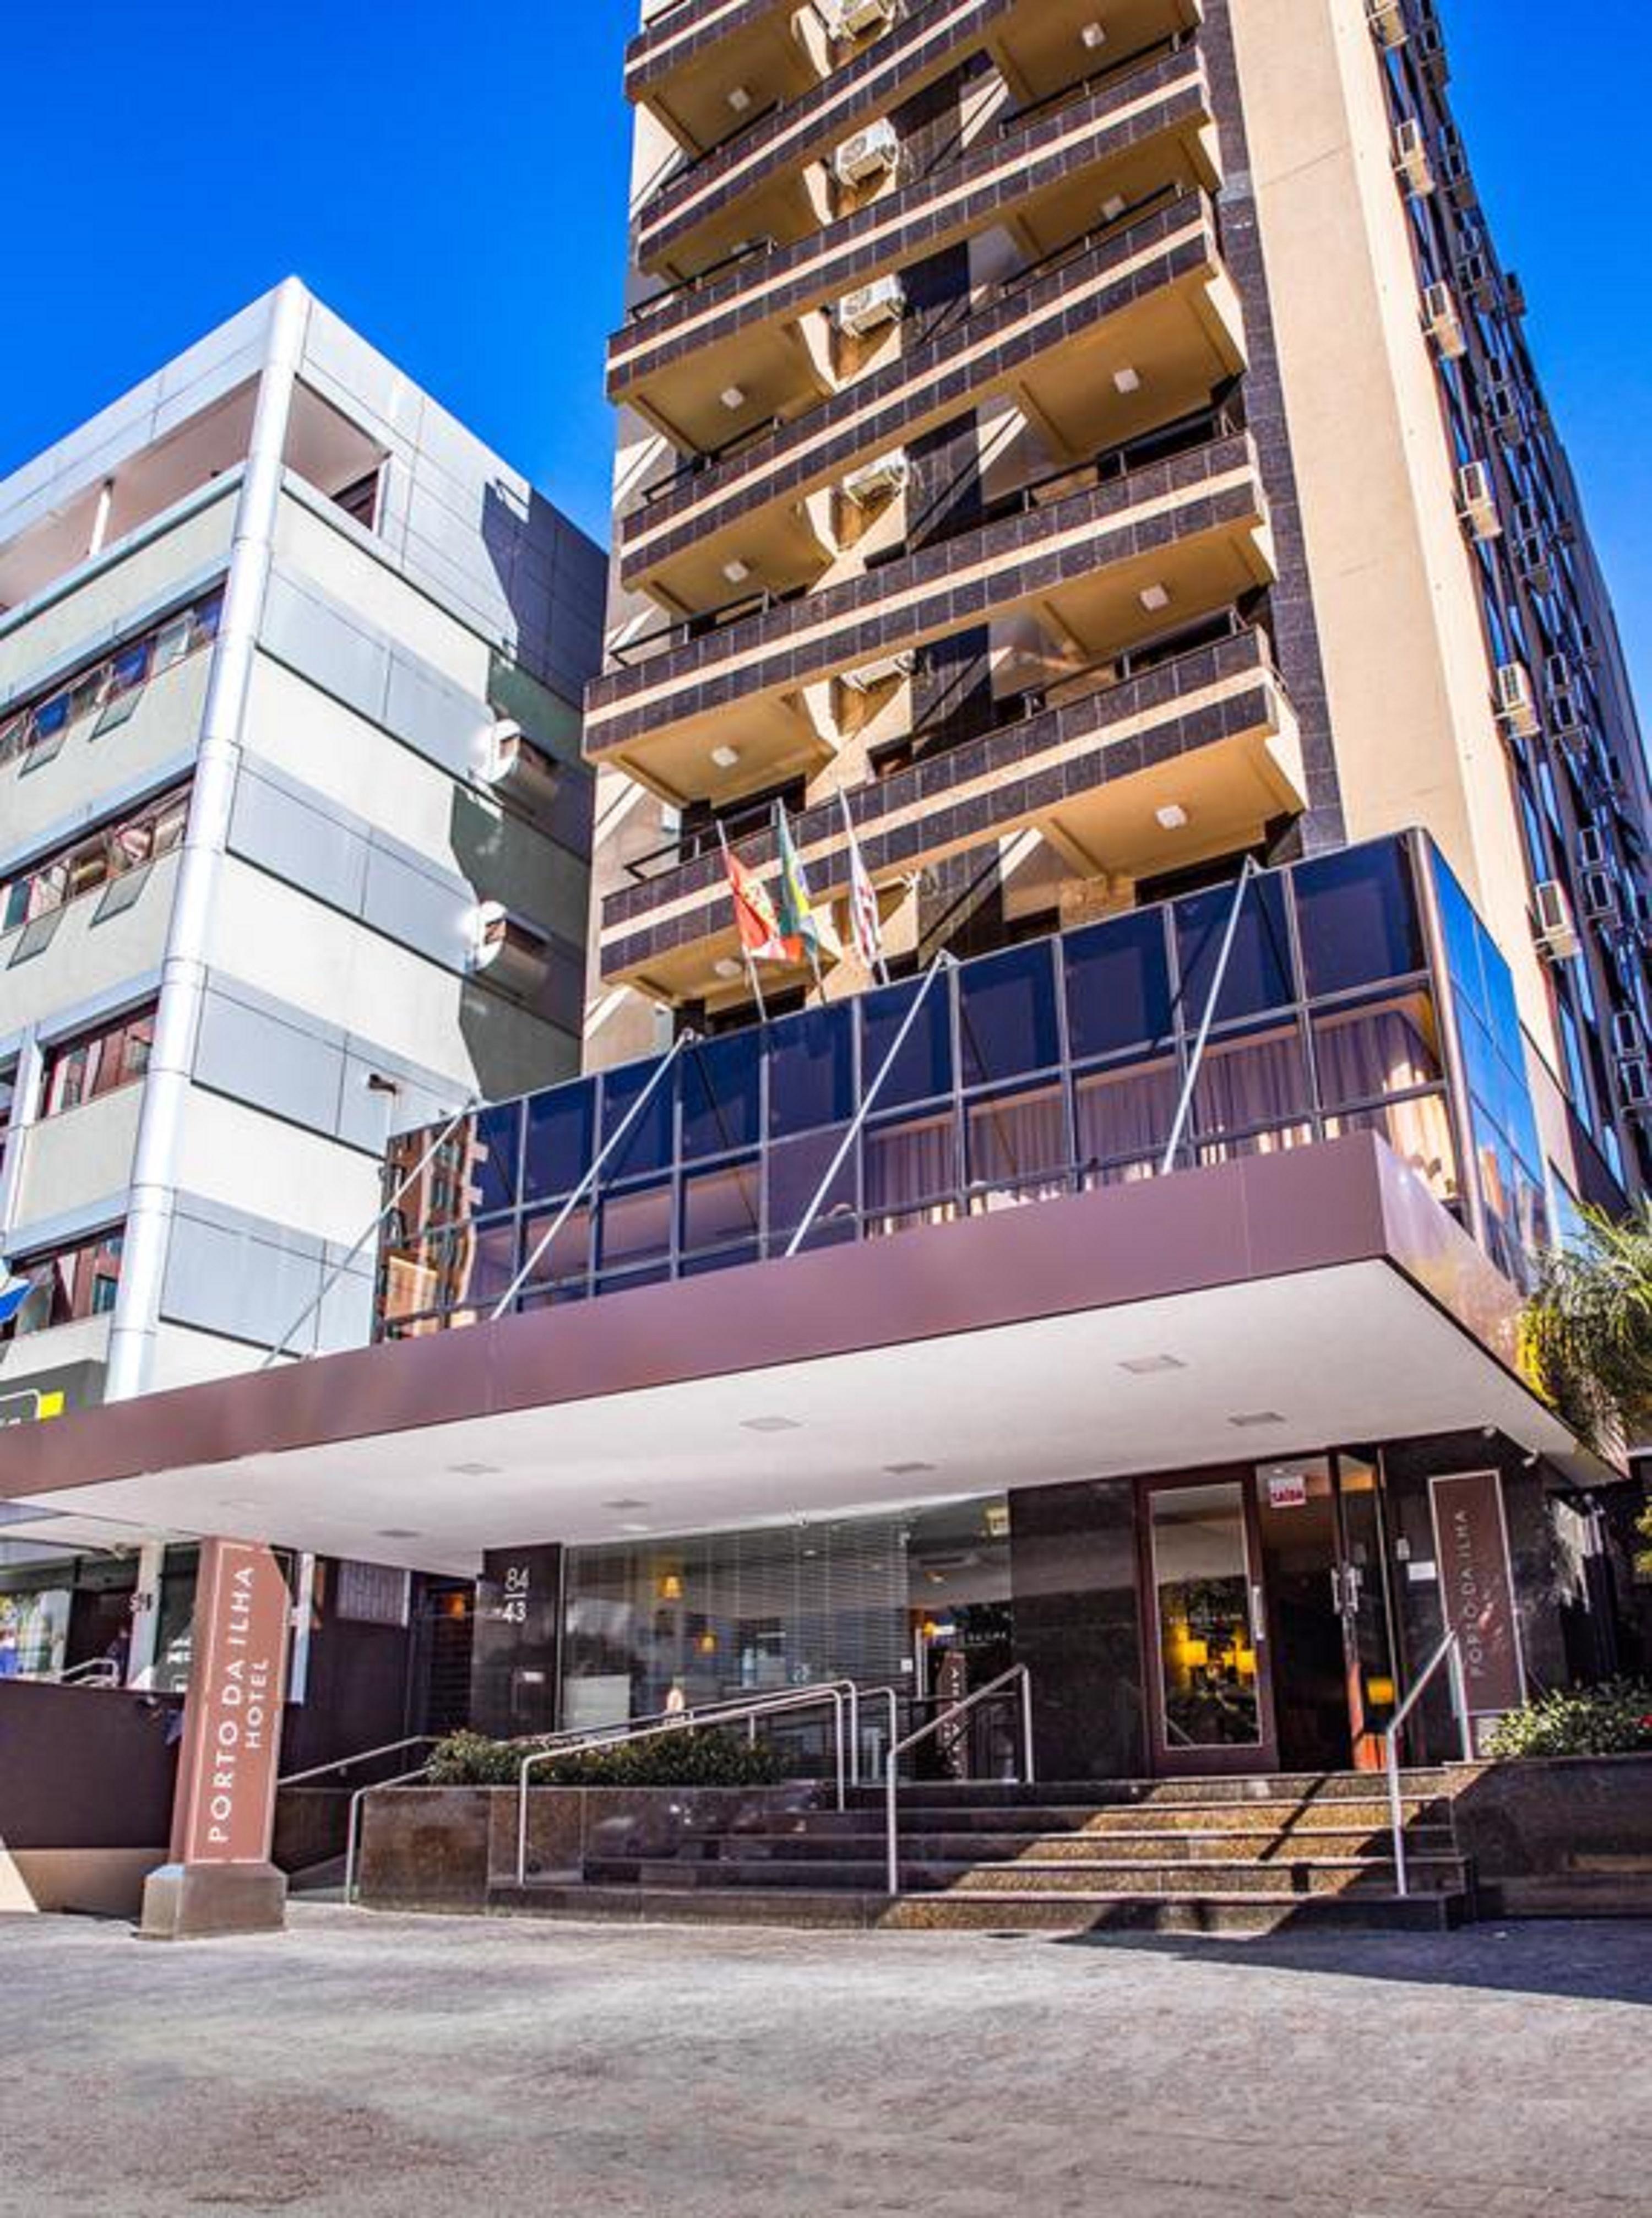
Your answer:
<point x="864" y="920"/>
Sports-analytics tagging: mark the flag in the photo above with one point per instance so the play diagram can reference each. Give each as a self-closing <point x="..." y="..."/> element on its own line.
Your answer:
<point x="761" y="939"/>
<point x="14" y="1292"/>
<point x="864" y="920"/>
<point x="806" y="930"/>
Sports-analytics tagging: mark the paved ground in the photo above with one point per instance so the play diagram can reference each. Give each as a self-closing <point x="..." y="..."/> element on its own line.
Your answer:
<point x="369" y="2066"/>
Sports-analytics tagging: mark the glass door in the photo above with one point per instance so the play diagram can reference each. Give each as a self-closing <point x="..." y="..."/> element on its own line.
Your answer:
<point x="1367" y="1610"/>
<point x="1209" y="1700"/>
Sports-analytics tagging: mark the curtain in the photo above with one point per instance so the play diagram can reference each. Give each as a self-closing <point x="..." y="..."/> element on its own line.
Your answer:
<point x="910" y="1168"/>
<point x="1371" y="1052"/>
<point x="1126" y="1112"/>
<point x="1255" y="1082"/>
<point x="1020" y="1138"/>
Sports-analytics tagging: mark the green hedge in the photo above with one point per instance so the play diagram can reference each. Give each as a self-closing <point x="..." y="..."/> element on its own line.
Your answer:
<point x="688" y="1757"/>
<point x="1614" y="1718"/>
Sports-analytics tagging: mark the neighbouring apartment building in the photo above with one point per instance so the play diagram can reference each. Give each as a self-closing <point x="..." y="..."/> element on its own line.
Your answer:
<point x="294" y="841"/>
<point x="1083" y="457"/>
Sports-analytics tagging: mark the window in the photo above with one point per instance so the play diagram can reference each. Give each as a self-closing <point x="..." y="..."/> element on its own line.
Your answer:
<point x="1118" y="985"/>
<point x="360" y="499"/>
<point x="96" y="1062"/>
<point x="1358" y="913"/>
<point x="1007" y="1021"/>
<point x="126" y="844"/>
<point x="117" y="679"/>
<point x="67" y="1284"/>
<point x="1257" y="975"/>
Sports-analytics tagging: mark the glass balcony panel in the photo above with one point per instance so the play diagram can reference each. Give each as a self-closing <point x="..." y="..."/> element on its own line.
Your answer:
<point x="1377" y="1048"/>
<point x="648" y="1146"/>
<point x="1118" y="992"/>
<point x="722" y="1205"/>
<point x="562" y="1272"/>
<point x="1258" y="1078"/>
<point x="723" y="1095"/>
<point x="1258" y="973"/>
<point x="635" y="1227"/>
<point x="923" y="1069"/>
<point x="794" y="1169"/>
<point x="1008" y="1027"/>
<point x="811" y="1070"/>
<point x="911" y="1173"/>
<point x="1126" y="1112"/>
<point x="558" y="1140"/>
<point x="1357" y="917"/>
<point x="1017" y="1147"/>
<point x="494" y="1163"/>
<point x="721" y="1259"/>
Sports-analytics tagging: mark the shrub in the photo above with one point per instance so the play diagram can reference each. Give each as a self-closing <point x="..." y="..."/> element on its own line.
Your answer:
<point x="688" y="1757"/>
<point x="1614" y="1718"/>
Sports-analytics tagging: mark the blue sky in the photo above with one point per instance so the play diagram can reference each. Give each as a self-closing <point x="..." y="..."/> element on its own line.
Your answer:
<point x="453" y="182"/>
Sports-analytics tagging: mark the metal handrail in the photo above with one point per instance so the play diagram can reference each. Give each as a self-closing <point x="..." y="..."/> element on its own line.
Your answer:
<point x="842" y="1694"/>
<point x="96" y="1671"/>
<point x="1450" y="1648"/>
<point x="362" y="1755"/>
<point x="949" y="1716"/>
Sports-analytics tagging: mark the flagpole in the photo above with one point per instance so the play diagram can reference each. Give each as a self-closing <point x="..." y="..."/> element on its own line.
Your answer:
<point x="879" y="964"/>
<point x="745" y="952"/>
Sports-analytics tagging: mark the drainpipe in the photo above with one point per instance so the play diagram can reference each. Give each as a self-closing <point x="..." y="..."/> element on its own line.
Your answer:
<point x="183" y="970"/>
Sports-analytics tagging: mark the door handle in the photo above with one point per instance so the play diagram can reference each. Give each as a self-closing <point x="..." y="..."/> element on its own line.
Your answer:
<point x="1258" y="1623"/>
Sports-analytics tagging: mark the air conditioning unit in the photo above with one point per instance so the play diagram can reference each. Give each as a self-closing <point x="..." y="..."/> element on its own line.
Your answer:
<point x="1478" y="279"/>
<point x="1411" y="163"/>
<point x="1634" y="1083"/>
<point x="517" y="768"/>
<point x="1627" y="1038"/>
<point x="869" y="307"/>
<point x="878" y="481"/>
<point x="856" y="19"/>
<point x="507" y="950"/>
<point x="1599" y="892"/>
<point x="870" y="153"/>
<point x="889" y="670"/>
<point x="1430" y="51"/>
<point x="1477" y="501"/>
<point x="1386" y="21"/>
<point x="1443" y="324"/>
<point x="1557" y="933"/>
<point x="1515" y="705"/>
<point x="1591" y="846"/>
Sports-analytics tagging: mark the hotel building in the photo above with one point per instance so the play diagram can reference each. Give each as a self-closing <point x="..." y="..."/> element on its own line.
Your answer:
<point x="1091" y="448"/>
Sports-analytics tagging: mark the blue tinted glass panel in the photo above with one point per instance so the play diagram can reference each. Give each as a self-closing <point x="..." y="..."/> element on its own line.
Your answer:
<point x="1259" y="969"/>
<point x="636" y="1227"/>
<point x="1008" y="1022"/>
<point x="1118" y="985"/>
<point x="796" y="1168"/>
<point x="1358" y="917"/>
<point x="558" y="1139"/>
<point x="811" y="1070"/>
<point x="492" y="1177"/>
<point x="647" y="1142"/>
<point x="722" y="1083"/>
<point x="1461" y="930"/>
<point x="924" y="1067"/>
<point x="722" y="1205"/>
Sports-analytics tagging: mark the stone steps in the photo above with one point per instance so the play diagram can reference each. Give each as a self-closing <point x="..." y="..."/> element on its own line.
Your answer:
<point x="1026" y="1876"/>
<point x="1358" y="1818"/>
<point x="1181" y="1848"/>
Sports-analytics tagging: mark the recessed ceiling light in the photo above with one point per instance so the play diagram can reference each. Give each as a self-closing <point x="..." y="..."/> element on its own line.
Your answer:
<point x="725" y="757"/>
<point x="1257" y="1417"/>
<point x="1172" y="816"/>
<point x="732" y="396"/>
<point x="474" y="1470"/>
<point x="398" y="1533"/>
<point x="1127" y="380"/>
<point x="1141" y="1365"/>
<point x="635" y="1529"/>
<point x="906" y="1470"/>
<point x="770" y="1425"/>
<point x="1092" y="36"/>
<point x="626" y="1502"/>
<point x="727" y="967"/>
<point x="1154" y="597"/>
<point x="739" y="99"/>
<point x="737" y="572"/>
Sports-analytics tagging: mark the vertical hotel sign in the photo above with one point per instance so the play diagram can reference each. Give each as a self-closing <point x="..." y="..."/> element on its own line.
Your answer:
<point x="1477" y="1593"/>
<point x="226" y="1802"/>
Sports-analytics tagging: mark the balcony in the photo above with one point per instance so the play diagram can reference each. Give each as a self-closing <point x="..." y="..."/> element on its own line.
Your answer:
<point x="705" y="72"/>
<point x="1142" y="124"/>
<point x="1208" y="733"/>
<point x="1095" y="559"/>
<point x="749" y="186"/>
<point x="1122" y="329"/>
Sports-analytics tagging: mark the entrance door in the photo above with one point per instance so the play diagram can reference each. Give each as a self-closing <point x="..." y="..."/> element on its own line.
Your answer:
<point x="1209" y="1700"/>
<point x="1324" y="1560"/>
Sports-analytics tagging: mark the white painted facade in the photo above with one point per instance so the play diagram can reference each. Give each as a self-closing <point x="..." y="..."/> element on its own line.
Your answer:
<point x="317" y="707"/>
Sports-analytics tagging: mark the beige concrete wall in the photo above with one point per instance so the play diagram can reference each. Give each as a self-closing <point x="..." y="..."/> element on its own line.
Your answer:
<point x="107" y="1882"/>
<point x="1394" y="595"/>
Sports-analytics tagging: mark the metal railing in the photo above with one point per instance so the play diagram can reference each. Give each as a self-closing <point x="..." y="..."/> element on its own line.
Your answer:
<point x="96" y="1671"/>
<point x="994" y="1690"/>
<point x="1449" y="1651"/>
<point x="352" y="1829"/>
<point x="844" y="1696"/>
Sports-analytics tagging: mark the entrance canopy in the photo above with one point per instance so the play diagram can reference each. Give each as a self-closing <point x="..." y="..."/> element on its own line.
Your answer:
<point x="1260" y="1308"/>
